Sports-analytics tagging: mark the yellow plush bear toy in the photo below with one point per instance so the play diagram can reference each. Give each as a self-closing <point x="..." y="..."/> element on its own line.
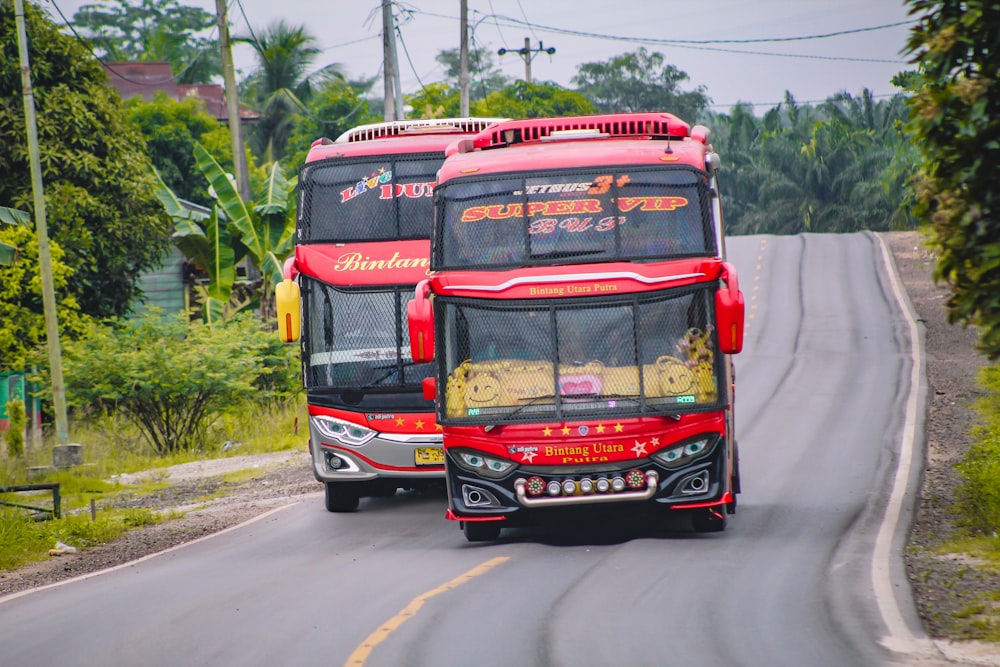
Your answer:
<point x="696" y="345"/>
<point x="454" y="395"/>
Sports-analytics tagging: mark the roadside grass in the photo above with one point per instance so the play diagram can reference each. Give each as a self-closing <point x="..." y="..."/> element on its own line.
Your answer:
<point x="979" y="510"/>
<point x="113" y="447"/>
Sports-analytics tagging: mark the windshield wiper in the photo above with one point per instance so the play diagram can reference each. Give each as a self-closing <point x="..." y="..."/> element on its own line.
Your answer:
<point x="392" y="368"/>
<point x="531" y="401"/>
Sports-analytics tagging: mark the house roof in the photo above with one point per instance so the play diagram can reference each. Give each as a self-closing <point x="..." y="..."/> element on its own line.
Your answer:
<point x="148" y="78"/>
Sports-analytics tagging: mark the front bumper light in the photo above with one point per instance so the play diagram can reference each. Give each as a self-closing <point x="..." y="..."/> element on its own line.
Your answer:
<point x="344" y="432"/>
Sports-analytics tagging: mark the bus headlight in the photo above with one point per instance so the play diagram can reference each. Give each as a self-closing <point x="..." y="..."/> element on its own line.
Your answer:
<point x="680" y="455"/>
<point x="344" y="432"/>
<point x="487" y="466"/>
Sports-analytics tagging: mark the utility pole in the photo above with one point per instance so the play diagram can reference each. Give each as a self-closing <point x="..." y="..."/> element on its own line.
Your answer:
<point x="42" y="230"/>
<point x="463" y="75"/>
<point x="232" y="102"/>
<point x="393" y="104"/>
<point x="528" y="54"/>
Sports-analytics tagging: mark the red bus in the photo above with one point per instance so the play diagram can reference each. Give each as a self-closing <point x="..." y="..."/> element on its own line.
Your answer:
<point x="362" y="243"/>
<point x="582" y="316"/>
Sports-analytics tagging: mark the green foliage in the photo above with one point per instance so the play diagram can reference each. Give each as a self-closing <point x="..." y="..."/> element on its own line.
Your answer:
<point x="841" y="167"/>
<point x="171" y="129"/>
<point x="170" y="377"/>
<point x="980" y="468"/>
<point x="281" y="86"/>
<point x="22" y="319"/>
<point x="640" y="81"/>
<point x="153" y="30"/>
<point x="23" y="539"/>
<point x="17" y="420"/>
<point x="99" y="200"/>
<point x="11" y="216"/>
<point x="435" y="100"/>
<point x="955" y="125"/>
<point x="485" y="76"/>
<point x="332" y="110"/>
<point x="532" y="100"/>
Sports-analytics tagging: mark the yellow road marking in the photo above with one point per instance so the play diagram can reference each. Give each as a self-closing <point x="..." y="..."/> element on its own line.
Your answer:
<point x="361" y="653"/>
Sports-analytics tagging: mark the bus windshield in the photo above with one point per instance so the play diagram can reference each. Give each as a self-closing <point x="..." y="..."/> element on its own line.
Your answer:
<point x="572" y="358"/>
<point x="573" y="216"/>
<point x="380" y="198"/>
<point x="354" y="338"/>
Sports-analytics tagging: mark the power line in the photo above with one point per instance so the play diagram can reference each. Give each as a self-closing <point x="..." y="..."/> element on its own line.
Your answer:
<point x="702" y="44"/>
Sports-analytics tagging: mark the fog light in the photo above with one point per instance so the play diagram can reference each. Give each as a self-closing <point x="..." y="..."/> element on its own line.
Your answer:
<point x="554" y="488"/>
<point x="603" y="485"/>
<point x="334" y="462"/>
<point x="569" y="487"/>
<point x="586" y="486"/>
<point x="635" y="479"/>
<point x="535" y="486"/>
<point x="618" y="484"/>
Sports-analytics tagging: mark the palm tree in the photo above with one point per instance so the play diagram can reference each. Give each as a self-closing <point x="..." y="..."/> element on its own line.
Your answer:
<point x="281" y="85"/>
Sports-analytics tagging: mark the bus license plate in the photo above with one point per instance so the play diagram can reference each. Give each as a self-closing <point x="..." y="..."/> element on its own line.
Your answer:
<point x="428" y="456"/>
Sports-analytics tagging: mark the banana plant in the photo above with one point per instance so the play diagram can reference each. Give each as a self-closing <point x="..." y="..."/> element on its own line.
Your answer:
<point x="11" y="216"/>
<point x="264" y="227"/>
<point x="218" y="241"/>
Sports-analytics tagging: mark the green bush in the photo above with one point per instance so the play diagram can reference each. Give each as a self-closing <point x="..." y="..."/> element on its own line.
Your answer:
<point x="171" y="378"/>
<point x="17" y="420"/>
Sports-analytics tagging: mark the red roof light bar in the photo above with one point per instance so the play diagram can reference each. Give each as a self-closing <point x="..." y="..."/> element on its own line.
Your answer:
<point x="654" y="125"/>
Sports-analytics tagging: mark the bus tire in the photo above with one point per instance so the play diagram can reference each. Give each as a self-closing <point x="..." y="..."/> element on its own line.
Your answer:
<point x="341" y="497"/>
<point x="480" y="531"/>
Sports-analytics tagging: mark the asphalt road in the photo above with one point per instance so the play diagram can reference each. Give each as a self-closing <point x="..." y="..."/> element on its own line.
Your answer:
<point x="823" y="390"/>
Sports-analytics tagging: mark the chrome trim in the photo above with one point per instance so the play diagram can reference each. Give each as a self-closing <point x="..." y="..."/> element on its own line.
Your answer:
<point x="651" y="481"/>
<point x="562" y="278"/>
<point x="416" y="438"/>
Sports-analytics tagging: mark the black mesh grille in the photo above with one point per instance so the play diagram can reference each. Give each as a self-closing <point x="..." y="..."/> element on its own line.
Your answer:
<point x="562" y="217"/>
<point x="367" y="198"/>
<point x="578" y="358"/>
<point x="355" y="338"/>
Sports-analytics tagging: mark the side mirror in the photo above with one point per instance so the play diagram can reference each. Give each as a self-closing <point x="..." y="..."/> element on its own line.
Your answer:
<point x="287" y="300"/>
<point x="420" y="316"/>
<point x="730" y="312"/>
<point x="429" y="385"/>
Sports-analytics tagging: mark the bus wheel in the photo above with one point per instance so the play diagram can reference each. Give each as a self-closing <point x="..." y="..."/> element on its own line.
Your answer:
<point x="480" y="531"/>
<point x="341" y="497"/>
<point x="708" y="521"/>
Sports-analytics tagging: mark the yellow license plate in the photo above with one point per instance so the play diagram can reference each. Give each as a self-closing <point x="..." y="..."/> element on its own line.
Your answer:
<point x="426" y="456"/>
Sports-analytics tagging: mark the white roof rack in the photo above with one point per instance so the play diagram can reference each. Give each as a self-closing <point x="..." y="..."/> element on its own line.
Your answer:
<point x="416" y="126"/>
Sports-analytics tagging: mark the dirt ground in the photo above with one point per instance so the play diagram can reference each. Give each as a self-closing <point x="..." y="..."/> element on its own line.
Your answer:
<point x="941" y="585"/>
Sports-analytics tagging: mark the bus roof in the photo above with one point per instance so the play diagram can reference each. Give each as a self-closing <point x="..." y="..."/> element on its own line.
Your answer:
<point x="555" y="143"/>
<point x="395" y="137"/>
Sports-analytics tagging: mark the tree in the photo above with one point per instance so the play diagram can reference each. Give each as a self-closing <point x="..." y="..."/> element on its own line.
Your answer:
<point x="640" y="81"/>
<point x="332" y="110"/>
<point x="280" y="86"/>
<point x="100" y="204"/>
<point x="484" y="75"/>
<point x="171" y="129"/>
<point x="955" y="123"/>
<point x="532" y="100"/>
<point x="151" y="31"/>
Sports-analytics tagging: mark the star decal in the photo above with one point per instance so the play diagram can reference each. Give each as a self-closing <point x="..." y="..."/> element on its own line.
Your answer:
<point x="655" y="441"/>
<point x="399" y="421"/>
<point x="565" y="430"/>
<point x="619" y="428"/>
<point x="640" y="448"/>
<point x="600" y="428"/>
<point x="546" y="431"/>
<point x="419" y="423"/>
<point x="437" y="427"/>
<point x="528" y="457"/>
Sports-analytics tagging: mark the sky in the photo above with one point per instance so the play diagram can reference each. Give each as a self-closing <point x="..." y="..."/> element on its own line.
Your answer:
<point x="583" y="31"/>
